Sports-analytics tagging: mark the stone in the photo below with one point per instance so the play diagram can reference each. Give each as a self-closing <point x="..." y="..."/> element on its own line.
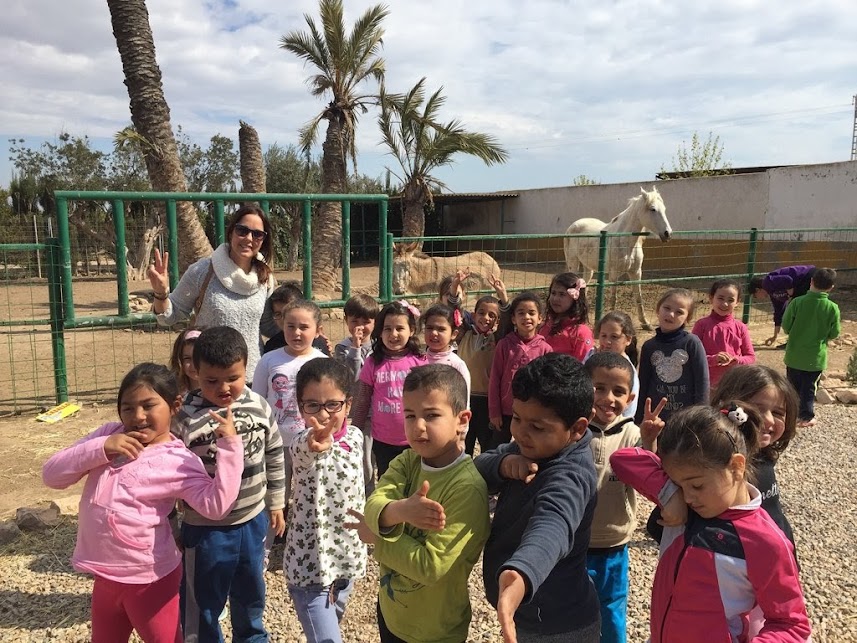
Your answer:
<point x="39" y="517"/>
<point x="822" y="396"/>
<point x="9" y="532"/>
<point x="68" y="505"/>
<point x="847" y="395"/>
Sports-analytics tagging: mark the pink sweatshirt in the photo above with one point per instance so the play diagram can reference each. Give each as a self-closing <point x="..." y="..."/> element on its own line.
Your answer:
<point x="511" y="353"/>
<point x="571" y="338"/>
<point x="720" y="334"/>
<point x="123" y="532"/>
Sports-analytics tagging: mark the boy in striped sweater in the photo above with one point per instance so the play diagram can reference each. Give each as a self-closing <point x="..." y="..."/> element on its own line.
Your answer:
<point x="224" y="558"/>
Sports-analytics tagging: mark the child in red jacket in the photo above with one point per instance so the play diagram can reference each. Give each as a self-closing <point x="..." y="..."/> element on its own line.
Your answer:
<point x="726" y="558"/>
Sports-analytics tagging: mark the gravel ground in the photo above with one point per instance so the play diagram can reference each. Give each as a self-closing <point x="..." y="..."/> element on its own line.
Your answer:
<point x="42" y="599"/>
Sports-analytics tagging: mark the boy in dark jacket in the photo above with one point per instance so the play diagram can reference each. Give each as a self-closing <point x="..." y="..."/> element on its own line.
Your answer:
<point x="534" y="564"/>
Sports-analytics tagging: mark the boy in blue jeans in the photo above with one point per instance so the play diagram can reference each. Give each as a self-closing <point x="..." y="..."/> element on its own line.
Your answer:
<point x="811" y="321"/>
<point x="224" y="558"/>
<point x="534" y="564"/>
<point x="428" y="516"/>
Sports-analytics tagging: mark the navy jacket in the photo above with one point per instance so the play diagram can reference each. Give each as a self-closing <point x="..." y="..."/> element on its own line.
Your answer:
<point x="778" y="282"/>
<point x="541" y="530"/>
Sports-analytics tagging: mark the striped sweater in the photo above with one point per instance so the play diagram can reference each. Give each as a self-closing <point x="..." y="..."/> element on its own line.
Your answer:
<point x="263" y="478"/>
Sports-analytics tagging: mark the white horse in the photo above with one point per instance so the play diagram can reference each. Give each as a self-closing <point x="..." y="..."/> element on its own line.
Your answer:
<point x="624" y="254"/>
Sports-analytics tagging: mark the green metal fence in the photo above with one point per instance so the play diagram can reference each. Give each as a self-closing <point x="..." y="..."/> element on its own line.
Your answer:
<point x="74" y="336"/>
<point x="692" y="259"/>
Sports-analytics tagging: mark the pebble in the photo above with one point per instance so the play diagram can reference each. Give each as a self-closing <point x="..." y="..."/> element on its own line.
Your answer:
<point x="45" y="600"/>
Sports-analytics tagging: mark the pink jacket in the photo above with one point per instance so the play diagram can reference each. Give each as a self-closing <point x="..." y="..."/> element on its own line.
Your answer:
<point x="511" y="353"/>
<point x="123" y="532"/>
<point x="572" y="339"/>
<point x="721" y="334"/>
<point x="713" y="572"/>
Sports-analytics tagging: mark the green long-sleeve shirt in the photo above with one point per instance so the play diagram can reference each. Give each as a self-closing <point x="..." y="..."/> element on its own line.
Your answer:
<point x="423" y="593"/>
<point x="811" y="321"/>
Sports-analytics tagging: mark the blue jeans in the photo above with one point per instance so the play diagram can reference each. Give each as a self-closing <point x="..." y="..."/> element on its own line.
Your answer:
<point x="221" y="562"/>
<point x="609" y="573"/>
<point x="320" y="609"/>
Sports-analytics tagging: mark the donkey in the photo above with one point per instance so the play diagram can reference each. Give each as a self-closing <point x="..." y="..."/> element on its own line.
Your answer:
<point x="415" y="272"/>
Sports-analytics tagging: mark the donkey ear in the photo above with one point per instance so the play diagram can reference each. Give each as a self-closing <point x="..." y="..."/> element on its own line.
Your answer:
<point x="411" y="248"/>
<point x="642" y="189"/>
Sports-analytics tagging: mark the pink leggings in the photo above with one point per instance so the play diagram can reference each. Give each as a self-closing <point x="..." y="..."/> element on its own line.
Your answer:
<point x="152" y="610"/>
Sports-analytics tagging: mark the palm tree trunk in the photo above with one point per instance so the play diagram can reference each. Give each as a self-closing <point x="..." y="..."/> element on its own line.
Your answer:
<point x="327" y="223"/>
<point x="150" y="115"/>
<point x="413" y="215"/>
<point x="250" y="154"/>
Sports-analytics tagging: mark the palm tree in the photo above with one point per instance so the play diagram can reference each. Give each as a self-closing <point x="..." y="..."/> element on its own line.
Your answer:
<point x="342" y="62"/>
<point x="150" y="115"/>
<point x="252" y="163"/>
<point x="421" y="144"/>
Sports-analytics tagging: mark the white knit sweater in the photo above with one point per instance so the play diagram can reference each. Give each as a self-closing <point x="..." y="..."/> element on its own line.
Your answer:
<point x="233" y="298"/>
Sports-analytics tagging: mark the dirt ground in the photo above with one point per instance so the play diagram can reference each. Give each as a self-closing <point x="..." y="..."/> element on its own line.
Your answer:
<point x="97" y="359"/>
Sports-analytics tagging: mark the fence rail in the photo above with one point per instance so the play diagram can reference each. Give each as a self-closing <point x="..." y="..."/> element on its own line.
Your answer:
<point x="62" y="346"/>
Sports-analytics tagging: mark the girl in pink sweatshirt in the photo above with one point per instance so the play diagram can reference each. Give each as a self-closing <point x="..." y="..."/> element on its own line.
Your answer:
<point x="725" y="339"/>
<point x="136" y="470"/>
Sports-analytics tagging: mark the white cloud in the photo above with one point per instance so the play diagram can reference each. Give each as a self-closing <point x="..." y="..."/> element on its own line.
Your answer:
<point x="570" y="88"/>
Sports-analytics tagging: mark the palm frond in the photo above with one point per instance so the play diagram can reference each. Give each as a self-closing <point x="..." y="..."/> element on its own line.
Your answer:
<point x="308" y="134"/>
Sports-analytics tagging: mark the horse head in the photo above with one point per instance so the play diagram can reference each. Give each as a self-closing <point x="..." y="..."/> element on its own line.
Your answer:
<point x="653" y="214"/>
<point x="403" y="254"/>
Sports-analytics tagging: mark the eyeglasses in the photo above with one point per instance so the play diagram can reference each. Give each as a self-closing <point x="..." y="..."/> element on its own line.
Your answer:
<point x="242" y="231"/>
<point x="331" y="406"/>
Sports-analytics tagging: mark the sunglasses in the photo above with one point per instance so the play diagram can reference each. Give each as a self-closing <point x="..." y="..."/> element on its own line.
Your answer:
<point x="242" y="231"/>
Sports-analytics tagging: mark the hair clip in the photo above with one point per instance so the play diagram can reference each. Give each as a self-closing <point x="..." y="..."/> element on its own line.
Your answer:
<point x="456" y="317"/>
<point x="192" y="334"/>
<point x="736" y="414"/>
<point x="413" y="309"/>
<point x="260" y="257"/>
<point x="581" y="284"/>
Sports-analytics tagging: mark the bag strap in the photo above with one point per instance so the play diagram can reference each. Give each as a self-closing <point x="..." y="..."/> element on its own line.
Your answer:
<point x="198" y="303"/>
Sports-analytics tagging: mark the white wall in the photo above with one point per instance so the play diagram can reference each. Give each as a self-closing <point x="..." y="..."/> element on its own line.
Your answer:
<point x="807" y="196"/>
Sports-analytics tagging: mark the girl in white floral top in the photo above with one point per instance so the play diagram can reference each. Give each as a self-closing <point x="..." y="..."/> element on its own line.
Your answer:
<point x="322" y="557"/>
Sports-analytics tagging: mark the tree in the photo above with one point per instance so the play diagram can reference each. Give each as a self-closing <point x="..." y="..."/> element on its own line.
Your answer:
<point x="251" y="160"/>
<point x="700" y="159"/>
<point x="342" y="61"/>
<point x="150" y="115"/>
<point x="582" y="179"/>
<point x="420" y="143"/>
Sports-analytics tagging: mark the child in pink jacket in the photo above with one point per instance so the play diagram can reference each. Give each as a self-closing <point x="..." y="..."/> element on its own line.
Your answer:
<point x="135" y="472"/>
<point x="726" y="340"/>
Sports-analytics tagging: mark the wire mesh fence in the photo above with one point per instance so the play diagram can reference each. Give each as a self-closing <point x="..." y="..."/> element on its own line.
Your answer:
<point x="101" y="345"/>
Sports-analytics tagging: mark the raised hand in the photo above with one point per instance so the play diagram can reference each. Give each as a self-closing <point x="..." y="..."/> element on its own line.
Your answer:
<point x="226" y="425"/>
<point x="517" y="467"/>
<point x="513" y="588"/>
<point x="319" y="439"/>
<point x="357" y="336"/>
<point x="500" y="288"/>
<point x="157" y="273"/>
<point x="125" y="445"/>
<point x="359" y="525"/>
<point x="459" y="278"/>
<point x="652" y="424"/>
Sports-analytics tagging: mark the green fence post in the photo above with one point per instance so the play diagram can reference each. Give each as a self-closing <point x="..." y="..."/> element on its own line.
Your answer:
<point x="346" y="249"/>
<point x="307" y="234"/>
<point x="384" y="283"/>
<point x="751" y="270"/>
<point x="219" y="222"/>
<point x="602" y="262"/>
<point x="55" y="306"/>
<point x="65" y="244"/>
<point x="173" y="230"/>
<point x="121" y="264"/>
<point x="266" y="207"/>
<point x="388" y="274"/>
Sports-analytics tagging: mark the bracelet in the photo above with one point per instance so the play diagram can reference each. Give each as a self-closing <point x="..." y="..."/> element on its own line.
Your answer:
<point x="160" y="297"/>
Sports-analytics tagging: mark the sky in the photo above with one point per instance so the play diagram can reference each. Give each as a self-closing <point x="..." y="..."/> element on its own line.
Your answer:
<point x="607" y="89"/>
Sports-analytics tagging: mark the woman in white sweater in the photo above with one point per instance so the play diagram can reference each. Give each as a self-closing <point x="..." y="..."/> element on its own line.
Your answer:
<point x="238" y="282"/>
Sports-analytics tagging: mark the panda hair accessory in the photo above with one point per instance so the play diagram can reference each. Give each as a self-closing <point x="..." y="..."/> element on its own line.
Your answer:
<point x="736" y="414"/>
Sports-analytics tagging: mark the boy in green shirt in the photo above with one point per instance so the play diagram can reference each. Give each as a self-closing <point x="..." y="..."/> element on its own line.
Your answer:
<point x="811" y="321"/>
<point x="428" y="516"/>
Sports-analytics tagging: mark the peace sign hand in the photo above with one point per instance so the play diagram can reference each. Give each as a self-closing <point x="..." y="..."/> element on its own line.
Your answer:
<point x="157" y="272"/>
<point x="226" y="424"/>
<point x="498" y="285"/>
<point x="652" y="424"/>
<point x="319" y="439"/>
